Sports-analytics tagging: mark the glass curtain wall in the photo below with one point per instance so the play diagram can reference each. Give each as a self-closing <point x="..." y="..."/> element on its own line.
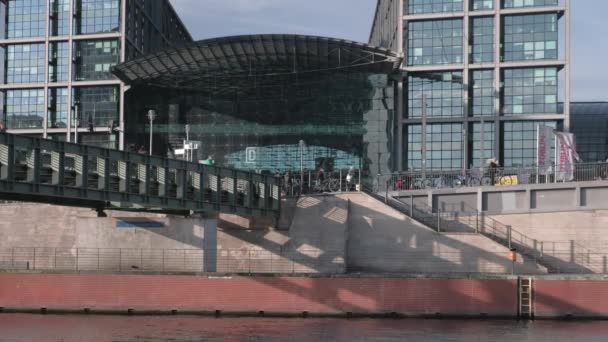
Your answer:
<point x="482" y="40"/>
<point x="520" y="139"/>
<point x="444" y="146"/>
<point x="529" y="3"/>
<point x="26" y="18"/>
<point x="480" y="5"/>
<point x="481" y="143"/>
<point x="344" y="118"/>
<point x="95" y="16"/>
<point x="530" y="37"/>
<point x="59" y="24"/>
<point x="435" y="42"/>
<point x="58" y="108"/>
<point x="439" y="93"/>
<point x="530" y="91"/>
<point x="482" y="93"/>
<point x="24" y="108"/>
<point x="433" y="6"/>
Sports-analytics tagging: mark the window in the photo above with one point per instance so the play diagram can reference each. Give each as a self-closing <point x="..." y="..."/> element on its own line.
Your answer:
<point x="530" y="91"/>
<point x="520" y="142"/>
<point x="26" y="18"/>
<point x="25" y="63"/>
<point x="529" y="3"/>
<point x="58" y="108"/>
<point x="95" y="59"/>
<point x="444" y="144"/>
<point x="24" y="108"/>
<point x="435" y="42"/>
<point x="480" y="5"/>
<point x="97" y="105"/>
<point x="434" y="6"/>
<point x="481" y="139"/>
<point x="530" y="37"/>
<point x="482" y="93"/>
<point x="58" y="61"/>
<point x="442" y="93"/>
<point x="482" y="40"/>
<point x="59" y="24"/>
<point x="94" y="16"/>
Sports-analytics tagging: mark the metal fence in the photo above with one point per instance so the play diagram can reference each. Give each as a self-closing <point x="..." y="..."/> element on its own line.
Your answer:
<point x="248" y="261"/>
<point x="313" y="182"/>
<point x="438" y="179"/>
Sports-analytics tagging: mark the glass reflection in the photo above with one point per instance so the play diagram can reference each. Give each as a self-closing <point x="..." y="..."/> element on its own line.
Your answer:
<point x="256" y="123"/>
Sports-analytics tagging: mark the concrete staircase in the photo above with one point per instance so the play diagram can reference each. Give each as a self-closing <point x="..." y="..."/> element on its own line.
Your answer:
<point x="568" y="257"/>
<point x="383" y="239"/>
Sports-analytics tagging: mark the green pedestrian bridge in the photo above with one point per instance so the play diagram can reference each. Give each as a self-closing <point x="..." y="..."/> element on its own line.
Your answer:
<point x="46" y="171"/>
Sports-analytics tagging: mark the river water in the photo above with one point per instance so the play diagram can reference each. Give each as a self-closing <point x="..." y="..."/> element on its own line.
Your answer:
<point x="18" y="328"/>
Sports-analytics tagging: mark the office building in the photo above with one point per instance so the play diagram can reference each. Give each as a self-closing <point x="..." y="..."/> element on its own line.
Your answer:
<point x="478" y="77"/>
<point x="58" y="56"/>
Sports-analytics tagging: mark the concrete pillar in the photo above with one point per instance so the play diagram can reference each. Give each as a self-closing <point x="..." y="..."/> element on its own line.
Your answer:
<point x="210" y="245"/>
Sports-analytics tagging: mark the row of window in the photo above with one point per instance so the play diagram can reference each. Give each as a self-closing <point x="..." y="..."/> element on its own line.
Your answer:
<point x="525" y="91"/>
<point x="25" y="108"/>
<point x="443" y="6"/>
<point x="445" y="144"/>
<point x="525" y="37"/>
<point x="93" y="61"/>
<point x="27" y="18"/>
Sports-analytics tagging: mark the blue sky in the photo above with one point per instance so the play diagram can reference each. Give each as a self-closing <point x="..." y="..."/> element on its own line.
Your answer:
<point x="351" y="19"/>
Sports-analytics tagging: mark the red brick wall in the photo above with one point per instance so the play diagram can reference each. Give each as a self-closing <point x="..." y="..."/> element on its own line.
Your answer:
<point x="579" y="298"/>
<point x="251" y="294"/>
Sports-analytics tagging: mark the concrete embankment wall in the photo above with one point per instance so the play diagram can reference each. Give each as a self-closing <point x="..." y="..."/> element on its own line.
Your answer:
<point x="47" y="237"/>
<point x="584" y="226"/>
<point x="277" y="295"/>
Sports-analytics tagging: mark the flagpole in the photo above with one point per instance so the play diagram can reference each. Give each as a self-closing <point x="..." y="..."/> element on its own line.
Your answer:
<point x="538" y="154"/>
<point x="556" y="156"/>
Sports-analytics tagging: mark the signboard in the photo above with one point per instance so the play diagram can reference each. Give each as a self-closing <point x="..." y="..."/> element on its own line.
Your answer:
<point x="191" y="145"/>
<point x="138" y="223"/>
<point x="251" y="155"/>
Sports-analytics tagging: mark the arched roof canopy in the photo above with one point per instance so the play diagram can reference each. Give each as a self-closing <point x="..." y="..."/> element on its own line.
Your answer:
<point x="225" y="61"/>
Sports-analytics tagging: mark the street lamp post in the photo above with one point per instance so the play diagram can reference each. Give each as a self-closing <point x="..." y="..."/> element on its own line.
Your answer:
<point x="76" y="122"/>
<point x="151" y="117"/>
<point x="302" y="146"/>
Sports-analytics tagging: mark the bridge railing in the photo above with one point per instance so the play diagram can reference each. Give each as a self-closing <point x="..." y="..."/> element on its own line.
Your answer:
<point x="40" y="170"/>
<point x="439" y="179"/>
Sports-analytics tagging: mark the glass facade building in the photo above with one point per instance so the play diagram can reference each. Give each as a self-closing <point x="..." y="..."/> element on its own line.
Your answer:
<point x="58" y="57"/>
<point x="590" y="126"/>
<point x="253" y="115"/>
<point x="478" y="78"/>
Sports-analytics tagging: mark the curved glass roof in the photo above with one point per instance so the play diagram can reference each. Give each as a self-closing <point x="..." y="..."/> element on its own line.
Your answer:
<point x="225" y="61"/>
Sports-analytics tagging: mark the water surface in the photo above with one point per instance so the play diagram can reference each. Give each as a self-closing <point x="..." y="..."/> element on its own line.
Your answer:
<point x="28" y="328"/>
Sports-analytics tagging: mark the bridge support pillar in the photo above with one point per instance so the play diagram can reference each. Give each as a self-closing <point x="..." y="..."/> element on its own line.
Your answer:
<point x="210" y="245"/>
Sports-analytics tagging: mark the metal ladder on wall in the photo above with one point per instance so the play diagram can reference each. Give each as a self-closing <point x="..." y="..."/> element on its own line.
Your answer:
<point x="525" y="288"/>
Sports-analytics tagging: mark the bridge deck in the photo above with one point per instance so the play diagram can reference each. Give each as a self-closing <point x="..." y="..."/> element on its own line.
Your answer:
<point x="46" y="171"/>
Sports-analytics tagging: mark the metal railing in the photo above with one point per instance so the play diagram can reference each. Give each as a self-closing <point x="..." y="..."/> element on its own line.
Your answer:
<point x="312" y="182"/>
<point x="556" y="257"/>
<point x="440" y="179"/>
<point x="248" y="261"/>
<point x="47" y="171"/>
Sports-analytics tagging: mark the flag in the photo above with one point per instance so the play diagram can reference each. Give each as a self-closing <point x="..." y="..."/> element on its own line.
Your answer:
<point x="566" y="156"/>
<point x="543" y="153"/>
